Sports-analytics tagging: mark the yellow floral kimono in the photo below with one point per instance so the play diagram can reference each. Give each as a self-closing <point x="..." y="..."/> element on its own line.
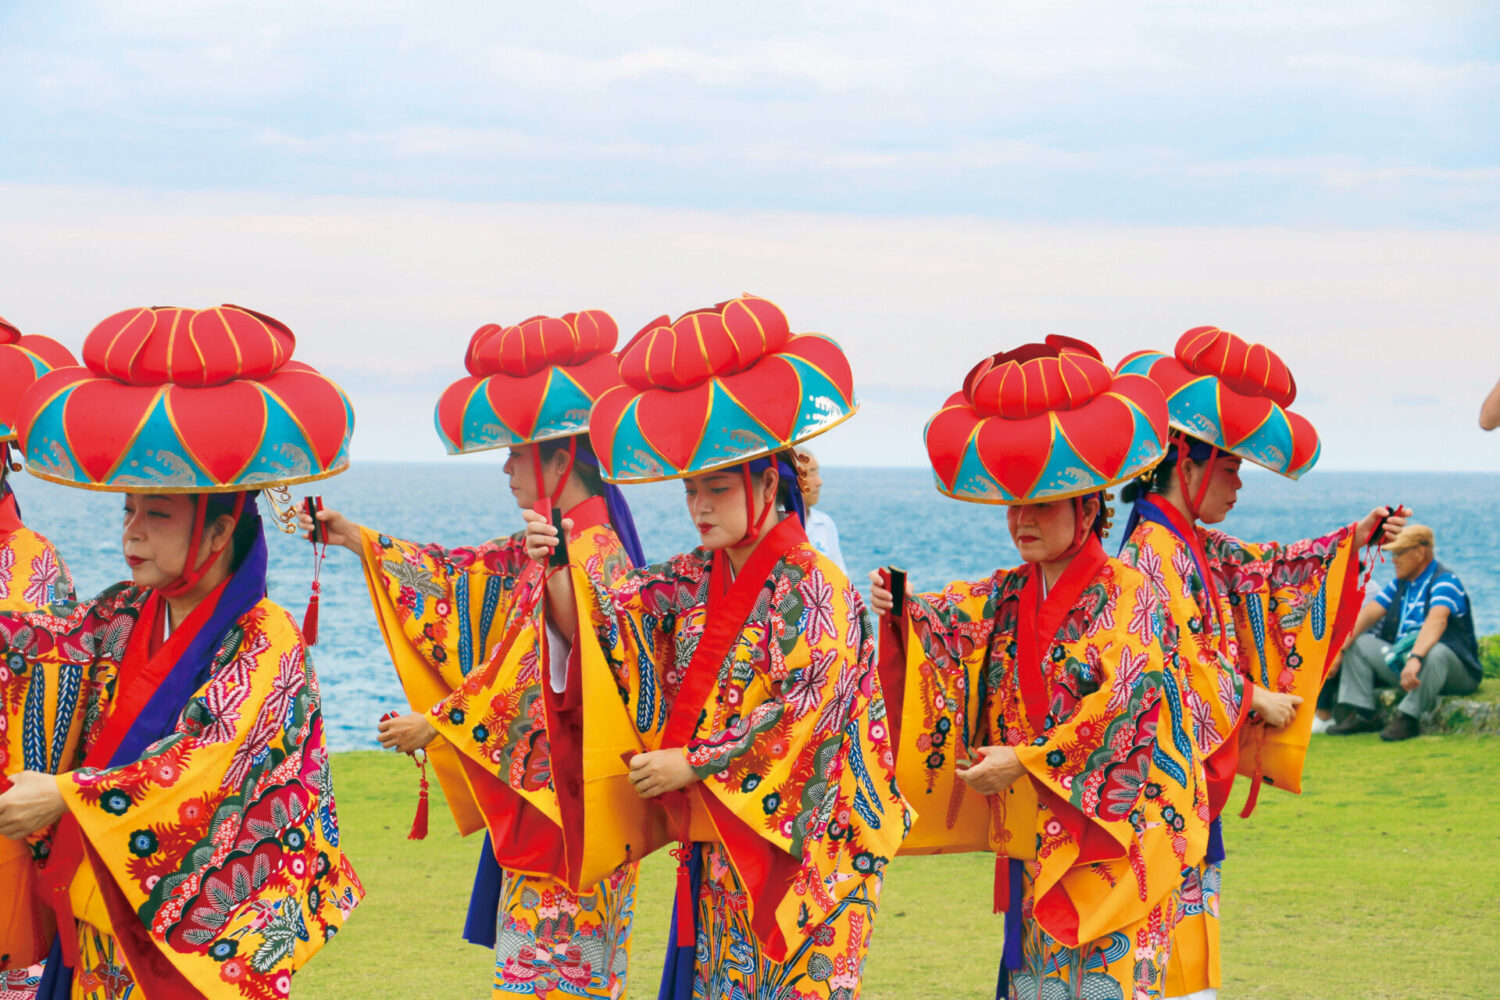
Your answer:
<point x="1286" y="609"/>
<point x="32" y="575"/>
<point x="1217" y="700"/>
<point x="32" y="572"/>
<point x="463" y="631"/>
<point x="769" y="682"/>
<point x="1293" y="606"/>
<point x="1113" y="805"/>
<point x="209" y="865"/>
<point x="442" y="612"/>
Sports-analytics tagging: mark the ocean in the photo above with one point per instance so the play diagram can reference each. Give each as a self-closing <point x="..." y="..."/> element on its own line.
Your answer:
<point x="884" y="516"/>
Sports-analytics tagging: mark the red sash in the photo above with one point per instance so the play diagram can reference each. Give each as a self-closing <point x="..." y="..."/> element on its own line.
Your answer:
<point x="564" y="717"/>
<point x="765" y="871"/>
<point x="521" y="836"/>
<point x="1037" y="624"/>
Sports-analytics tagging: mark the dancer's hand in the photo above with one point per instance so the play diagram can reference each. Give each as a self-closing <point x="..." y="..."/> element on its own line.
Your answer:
<point x="407" y="733"/>
<point x="881" y="598"/>
<point x="657" y="772"/>
<point x="541" y="535"/>
<point x="1393" y="525"/>
<point x="1274" y="708"/>
<point x="995" y="771"/>
<point x="337" y="529"/>
<point x="31" y="804"/>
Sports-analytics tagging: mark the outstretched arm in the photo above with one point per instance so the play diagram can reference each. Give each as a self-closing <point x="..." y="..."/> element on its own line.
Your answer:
<point x="1489" y="413"/>
<point x="337" y="529"/>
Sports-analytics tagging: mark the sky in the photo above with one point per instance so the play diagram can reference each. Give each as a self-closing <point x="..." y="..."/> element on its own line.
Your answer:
<point x="926" y="183"/>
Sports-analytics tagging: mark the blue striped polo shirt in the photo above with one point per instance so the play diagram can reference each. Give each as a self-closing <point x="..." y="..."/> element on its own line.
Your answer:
<point x="1428" y="590"/>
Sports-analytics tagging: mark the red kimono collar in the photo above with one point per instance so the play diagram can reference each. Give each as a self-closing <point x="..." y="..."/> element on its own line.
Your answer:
<point x="591" y="513"/>
<point x="1191" y="536"/>
<point x="10" y="517"/>
<point x="1039" y="619"/>
<point x="147" y="661"/>
<point x="731" y="601"/>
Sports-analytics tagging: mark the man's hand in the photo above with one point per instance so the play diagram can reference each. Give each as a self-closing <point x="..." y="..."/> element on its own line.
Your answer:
<point x="1411" y="674"/>
<point x="407" y="733"/>
<point x="32" y="803"/>
<point x="995" y="771"/>
<point x="657" y="772"/>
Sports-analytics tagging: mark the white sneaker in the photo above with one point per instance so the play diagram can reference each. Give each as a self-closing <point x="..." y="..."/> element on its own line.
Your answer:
<point x="1321" y="725"/>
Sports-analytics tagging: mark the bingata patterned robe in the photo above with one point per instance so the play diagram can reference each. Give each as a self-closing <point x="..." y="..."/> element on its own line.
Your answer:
<point x="795" y="812"/>
<point x="1112" y="807"/>
<point x="462" y="628"/>
<point x="1286" y="652"/>
<point x="216" y="853"/>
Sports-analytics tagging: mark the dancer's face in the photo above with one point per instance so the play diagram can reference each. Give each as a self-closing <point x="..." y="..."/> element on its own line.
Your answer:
<point x="716" y="503"/>
<point x="1223" y="487"/>
<point x="520" y="466"/>
<point x="1044" y="531"/>
<point x="159" y="528"/>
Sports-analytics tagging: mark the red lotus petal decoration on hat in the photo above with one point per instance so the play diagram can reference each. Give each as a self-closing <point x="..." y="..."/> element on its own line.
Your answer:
<point x="186" y="400"/>
<point x="532" y="381"/>
<point x="728" y="338"/>
<point x="1249" y="369"/>
<point x="1061" y="374"/>
<point x="23" y="359"/>
<point x="715" y="388"/>
<point x="188" y="347"/>
<point x="1234" y="395"/>
<point x="540" y="342"/>
<point x="1045" y="421"/>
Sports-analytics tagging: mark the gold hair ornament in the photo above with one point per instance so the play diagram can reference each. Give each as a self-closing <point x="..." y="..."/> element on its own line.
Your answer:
<point x="282" y="509"/>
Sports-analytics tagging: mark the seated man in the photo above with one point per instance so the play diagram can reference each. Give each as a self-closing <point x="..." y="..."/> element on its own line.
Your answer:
<point x="1425" y="642"/>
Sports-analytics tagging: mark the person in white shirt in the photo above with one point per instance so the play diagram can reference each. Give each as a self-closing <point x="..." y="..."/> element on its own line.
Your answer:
<point x="821" y="531"/>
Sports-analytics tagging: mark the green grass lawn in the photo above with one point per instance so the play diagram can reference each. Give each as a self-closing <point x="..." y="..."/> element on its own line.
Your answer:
<point x="1381" y="881"/>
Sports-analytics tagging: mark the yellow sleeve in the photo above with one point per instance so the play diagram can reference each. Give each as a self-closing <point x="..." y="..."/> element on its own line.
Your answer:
<point x="442" y="612"/>
<point x="945" y="639"/>
<point x="1293" y="607"/>
<point x="221" y="838"/>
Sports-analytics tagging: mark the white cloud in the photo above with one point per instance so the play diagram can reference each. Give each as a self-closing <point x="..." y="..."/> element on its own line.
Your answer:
<point x="384" y="293"/>
<point x="1357" y="113"/>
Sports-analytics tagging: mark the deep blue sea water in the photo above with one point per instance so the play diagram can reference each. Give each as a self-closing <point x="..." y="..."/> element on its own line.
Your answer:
<point x="884" y="516"/>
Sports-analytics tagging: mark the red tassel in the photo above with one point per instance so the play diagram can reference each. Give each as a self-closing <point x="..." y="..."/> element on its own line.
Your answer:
<point x="687" y="906"/>
<point x="1002" y="883"/>
<point x="1255" y="779"/>
<point x="419" y="821"/>
<point x="1254" y="796"/>
<point x="310" y="618"/>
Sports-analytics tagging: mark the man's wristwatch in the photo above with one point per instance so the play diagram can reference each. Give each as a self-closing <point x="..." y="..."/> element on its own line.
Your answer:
<point x="1419" y="657"/>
